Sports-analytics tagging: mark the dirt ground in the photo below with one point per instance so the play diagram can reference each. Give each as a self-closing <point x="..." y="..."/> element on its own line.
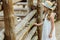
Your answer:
<point x="57" y="30"/>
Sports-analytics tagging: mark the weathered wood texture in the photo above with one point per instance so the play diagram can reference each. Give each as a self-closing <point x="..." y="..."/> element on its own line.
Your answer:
<point x="39" y="19"/>
<point x="58" y="10"/>
<point x="35" y="38"/>
<point x="30" y="4"/>
<point x="15" y="14"/>
<point x="2" y="34"/>
<point x="14" y="1"/>
<point x="21" y="25"/>
<point x="31" y="33"/>
<point x="21" y="35"/>
<point x="8" y="19"/>
<point x="22" y="3"/>
<point x="19" y="9"/>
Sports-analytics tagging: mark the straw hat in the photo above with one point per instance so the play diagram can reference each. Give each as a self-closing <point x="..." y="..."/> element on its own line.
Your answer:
<point x="49" y="5"/>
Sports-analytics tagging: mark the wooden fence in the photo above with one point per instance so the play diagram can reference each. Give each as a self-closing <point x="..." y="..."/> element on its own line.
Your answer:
<point x="23" y="30"/>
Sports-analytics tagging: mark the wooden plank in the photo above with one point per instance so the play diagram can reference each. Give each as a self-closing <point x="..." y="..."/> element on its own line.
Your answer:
<point x="21" y="34"/>
<point x="20" y="14"/>
<point x="19" y="9"/>
<point x="15" y="14"/>
<point x="21" y="3"/>
<point x="1" y="18"/>
<point x="2" y="30"/>
<point x="8" y="19"/>
<point x="15" y="1"/>
<point x="31" y="33"/>
<point x="22" y="24"/>
<point x="35" y="38"/>
<point x="2" y="34"/>
<point x="1" y="13"/>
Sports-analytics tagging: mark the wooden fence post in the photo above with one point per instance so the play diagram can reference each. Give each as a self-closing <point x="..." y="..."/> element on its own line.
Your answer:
<point x="58" y="10"/>
<point x="8" y="19"/>
<point x="39" y="29"/>
<point x="30" y="4"/>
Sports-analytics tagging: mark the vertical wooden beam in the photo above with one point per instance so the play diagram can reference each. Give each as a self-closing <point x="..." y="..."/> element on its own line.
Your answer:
<point x="39" y="29"/>
<point x="8" y="19"/>
<point x="30" y="4"/>
<point x="58" y="10"/>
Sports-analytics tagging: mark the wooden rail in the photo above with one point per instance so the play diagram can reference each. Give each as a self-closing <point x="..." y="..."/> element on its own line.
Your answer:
<point x="21" y="25"/>
<point x="19" y="9"/>
<point x="31" y="33"/>
<point x="15" y="1"/>
<point x="35" y="38"/>
<point x="2" y="34"/>
<point x="22" y="3"/>
<point x="25" y="31"/>
<point x="15" y="14"/>
<point x="20" y="31"/>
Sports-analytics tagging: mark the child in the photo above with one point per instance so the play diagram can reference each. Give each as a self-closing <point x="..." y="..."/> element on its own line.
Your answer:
<point x="48" y="31"/>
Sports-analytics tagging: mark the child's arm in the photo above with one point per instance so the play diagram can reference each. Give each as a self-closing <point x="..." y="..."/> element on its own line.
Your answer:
<point x="38" y="24"/>
<point x="52" y="23"/>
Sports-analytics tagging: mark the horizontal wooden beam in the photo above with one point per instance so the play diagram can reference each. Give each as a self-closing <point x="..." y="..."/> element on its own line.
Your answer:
<point x="19" y="9"/>
<point x="15" y="1"/>
<point x="16" y="14"/>
<point x="22" y="24"/>
<point x="31" y="33"/>
<point x="22" y="34"/>
<point x="1" y="18"/>
<point x="22" y="3"/>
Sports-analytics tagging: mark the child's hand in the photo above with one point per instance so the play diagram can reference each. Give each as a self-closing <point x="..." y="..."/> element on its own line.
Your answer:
<point x="50" y="35"/>
<point x="35" y="24"/>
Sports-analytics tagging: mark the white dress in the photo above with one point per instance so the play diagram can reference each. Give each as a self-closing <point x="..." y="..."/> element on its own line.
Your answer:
<point x="46" y="30"/>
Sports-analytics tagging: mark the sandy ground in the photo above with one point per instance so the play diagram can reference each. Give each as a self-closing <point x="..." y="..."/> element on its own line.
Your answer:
<point x="58" y="30"/>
